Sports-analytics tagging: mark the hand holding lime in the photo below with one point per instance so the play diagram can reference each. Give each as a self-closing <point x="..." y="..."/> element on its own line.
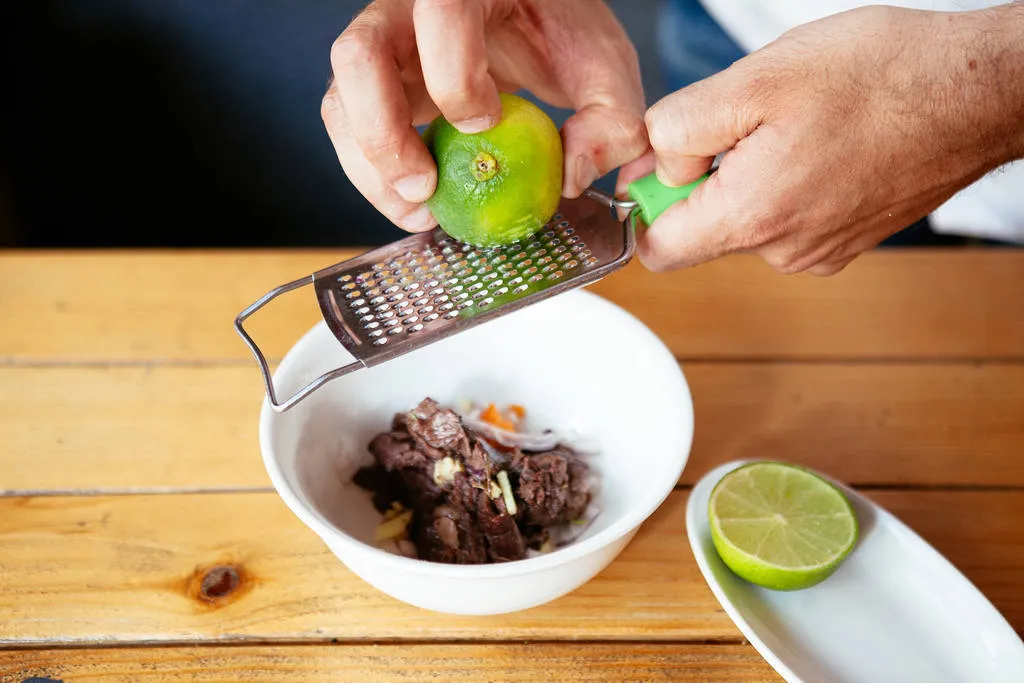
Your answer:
<point x="501" y="185"/>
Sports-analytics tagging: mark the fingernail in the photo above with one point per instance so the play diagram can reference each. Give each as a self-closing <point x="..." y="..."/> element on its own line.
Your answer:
<point x="477" y="125"/>
<point x="414" y="188"/>
<point x="419" y="220"/>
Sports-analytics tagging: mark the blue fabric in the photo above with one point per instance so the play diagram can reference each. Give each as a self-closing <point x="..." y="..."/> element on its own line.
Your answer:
<point x="691" y="44"/>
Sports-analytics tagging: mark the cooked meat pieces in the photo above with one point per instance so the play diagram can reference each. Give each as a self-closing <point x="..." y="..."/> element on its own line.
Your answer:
<point x="553" y="487"/>
<point x="445" y="473"/>
<point x="504" y="540"/>
<point x="449" y="535"/>
<point x="437" y="431"/>
<point x="396" y="451"/>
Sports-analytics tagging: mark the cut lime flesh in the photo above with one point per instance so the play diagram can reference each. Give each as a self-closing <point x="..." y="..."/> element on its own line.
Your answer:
<point x="780" y="526"/>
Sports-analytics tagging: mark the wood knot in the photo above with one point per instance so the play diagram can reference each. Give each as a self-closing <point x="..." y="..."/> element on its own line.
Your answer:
<point x="218" y="584"/>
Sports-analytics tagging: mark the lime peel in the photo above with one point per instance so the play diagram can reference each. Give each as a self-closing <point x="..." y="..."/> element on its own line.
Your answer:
<point x="499" y="186"/>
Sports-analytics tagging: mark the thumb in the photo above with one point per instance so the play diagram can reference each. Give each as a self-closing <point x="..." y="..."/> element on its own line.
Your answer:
<point x="688" y="128"/>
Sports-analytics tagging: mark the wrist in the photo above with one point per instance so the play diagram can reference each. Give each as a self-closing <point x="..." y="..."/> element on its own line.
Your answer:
<point x="985" y="66"/>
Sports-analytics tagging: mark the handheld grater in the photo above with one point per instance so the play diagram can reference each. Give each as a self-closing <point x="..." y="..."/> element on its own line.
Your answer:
<point x="399" y="297"/>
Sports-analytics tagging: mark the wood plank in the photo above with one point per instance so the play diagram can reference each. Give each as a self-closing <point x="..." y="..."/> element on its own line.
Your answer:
<point x="163" y="305"/>
<point x="886" y="304"/>
<point x="383" y="663"/>
<point x="168" y="428"/>
<point x="882" y="424"/>
<point x="123" y="569"/>
<point x="89" y="429"/>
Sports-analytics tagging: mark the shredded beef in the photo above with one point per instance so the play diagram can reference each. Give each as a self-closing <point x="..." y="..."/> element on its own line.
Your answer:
<point x="461" y="517"/>
<point x="553" y="487"/>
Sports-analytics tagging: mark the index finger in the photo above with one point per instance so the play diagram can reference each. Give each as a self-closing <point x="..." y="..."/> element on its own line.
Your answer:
<point x="450" y="40"/>
<point x="365" y="60"/>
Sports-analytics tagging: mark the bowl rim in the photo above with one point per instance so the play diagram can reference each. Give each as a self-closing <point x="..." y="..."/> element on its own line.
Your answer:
<point x="629" y="521"/>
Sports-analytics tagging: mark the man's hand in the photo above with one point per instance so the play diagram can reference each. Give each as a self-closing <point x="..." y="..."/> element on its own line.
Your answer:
<point x="401" y="62"/>
<point x="842" y="132"/>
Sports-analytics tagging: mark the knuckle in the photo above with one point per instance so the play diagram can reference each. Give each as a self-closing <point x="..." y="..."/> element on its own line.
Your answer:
<point x="454" y="93"/>
<point x="668" y="122"/>
<point x="459" y="91"/>
<point x="631" y="133"/>
<point x="355" y="45"/>
<point x="784" y="262"/>
<point x="330" y="108"/>
<point x="381" y="147"/>
<point x="825" y="270"/>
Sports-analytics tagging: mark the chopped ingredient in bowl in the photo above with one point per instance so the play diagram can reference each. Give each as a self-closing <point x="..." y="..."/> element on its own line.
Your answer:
<point x="462" y="496"/>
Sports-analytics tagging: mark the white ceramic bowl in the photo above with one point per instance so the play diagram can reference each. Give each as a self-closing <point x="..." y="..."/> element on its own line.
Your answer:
<point x="575" y="361"/>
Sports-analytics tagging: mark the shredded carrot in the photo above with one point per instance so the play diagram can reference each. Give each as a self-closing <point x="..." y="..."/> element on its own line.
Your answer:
<point x="494" y="417"/>
<point x="517" y="411"/>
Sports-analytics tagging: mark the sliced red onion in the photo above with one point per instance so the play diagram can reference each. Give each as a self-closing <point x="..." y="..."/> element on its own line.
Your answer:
<point x="526" y="442"/>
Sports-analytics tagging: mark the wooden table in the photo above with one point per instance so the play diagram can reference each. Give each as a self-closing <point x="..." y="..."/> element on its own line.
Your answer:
<point x="131" y="468"/>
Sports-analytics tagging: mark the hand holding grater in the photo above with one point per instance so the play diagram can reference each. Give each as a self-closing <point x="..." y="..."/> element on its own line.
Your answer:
<point x="425" y="287"/>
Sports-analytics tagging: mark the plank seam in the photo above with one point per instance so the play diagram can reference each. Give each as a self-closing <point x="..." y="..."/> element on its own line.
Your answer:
<point x="87" y="493"/>
<point x="100" y="363"/>
<point x="84" y="493"/>
<point x="27" y="646"/>
<point x="113" y="493"/>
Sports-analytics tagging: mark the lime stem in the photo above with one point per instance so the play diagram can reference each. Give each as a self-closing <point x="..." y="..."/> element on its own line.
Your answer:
<point x="484" y="167"/>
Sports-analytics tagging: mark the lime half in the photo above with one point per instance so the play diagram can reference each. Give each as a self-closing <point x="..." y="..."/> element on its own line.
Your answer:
<point x="780" y="526"/>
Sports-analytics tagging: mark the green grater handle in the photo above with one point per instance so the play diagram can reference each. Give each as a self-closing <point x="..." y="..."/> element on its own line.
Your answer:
<point x="653" y="197"/>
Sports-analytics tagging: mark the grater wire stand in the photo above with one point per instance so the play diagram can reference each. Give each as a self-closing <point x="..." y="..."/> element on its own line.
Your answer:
<point x="399" y="297"/>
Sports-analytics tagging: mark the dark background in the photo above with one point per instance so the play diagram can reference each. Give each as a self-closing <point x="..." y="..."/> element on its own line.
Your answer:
<point x="196" y="123"/>
<point x="186" y="123"/>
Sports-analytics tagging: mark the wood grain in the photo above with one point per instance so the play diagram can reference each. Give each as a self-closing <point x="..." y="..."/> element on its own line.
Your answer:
<point x="175" y="428"/>
<point x="385" y="663"/>
<point x="145" y="305"/>
<point x="124" y="569"/>
<point x="89" y="429"/>
<point x="890" y="424"/>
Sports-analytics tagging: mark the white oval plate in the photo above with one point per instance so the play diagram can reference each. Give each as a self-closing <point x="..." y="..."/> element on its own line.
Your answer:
<point x="895" y="610"/>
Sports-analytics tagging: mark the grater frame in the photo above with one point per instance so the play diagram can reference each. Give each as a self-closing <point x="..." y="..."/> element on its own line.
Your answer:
<point x="402" y="296"/>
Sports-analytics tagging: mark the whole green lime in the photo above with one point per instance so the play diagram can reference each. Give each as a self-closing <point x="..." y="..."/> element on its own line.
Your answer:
<point x="501" y="185"/>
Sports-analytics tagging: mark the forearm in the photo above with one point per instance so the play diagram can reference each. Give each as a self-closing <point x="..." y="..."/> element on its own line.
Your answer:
<point x="988" y="73"/>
